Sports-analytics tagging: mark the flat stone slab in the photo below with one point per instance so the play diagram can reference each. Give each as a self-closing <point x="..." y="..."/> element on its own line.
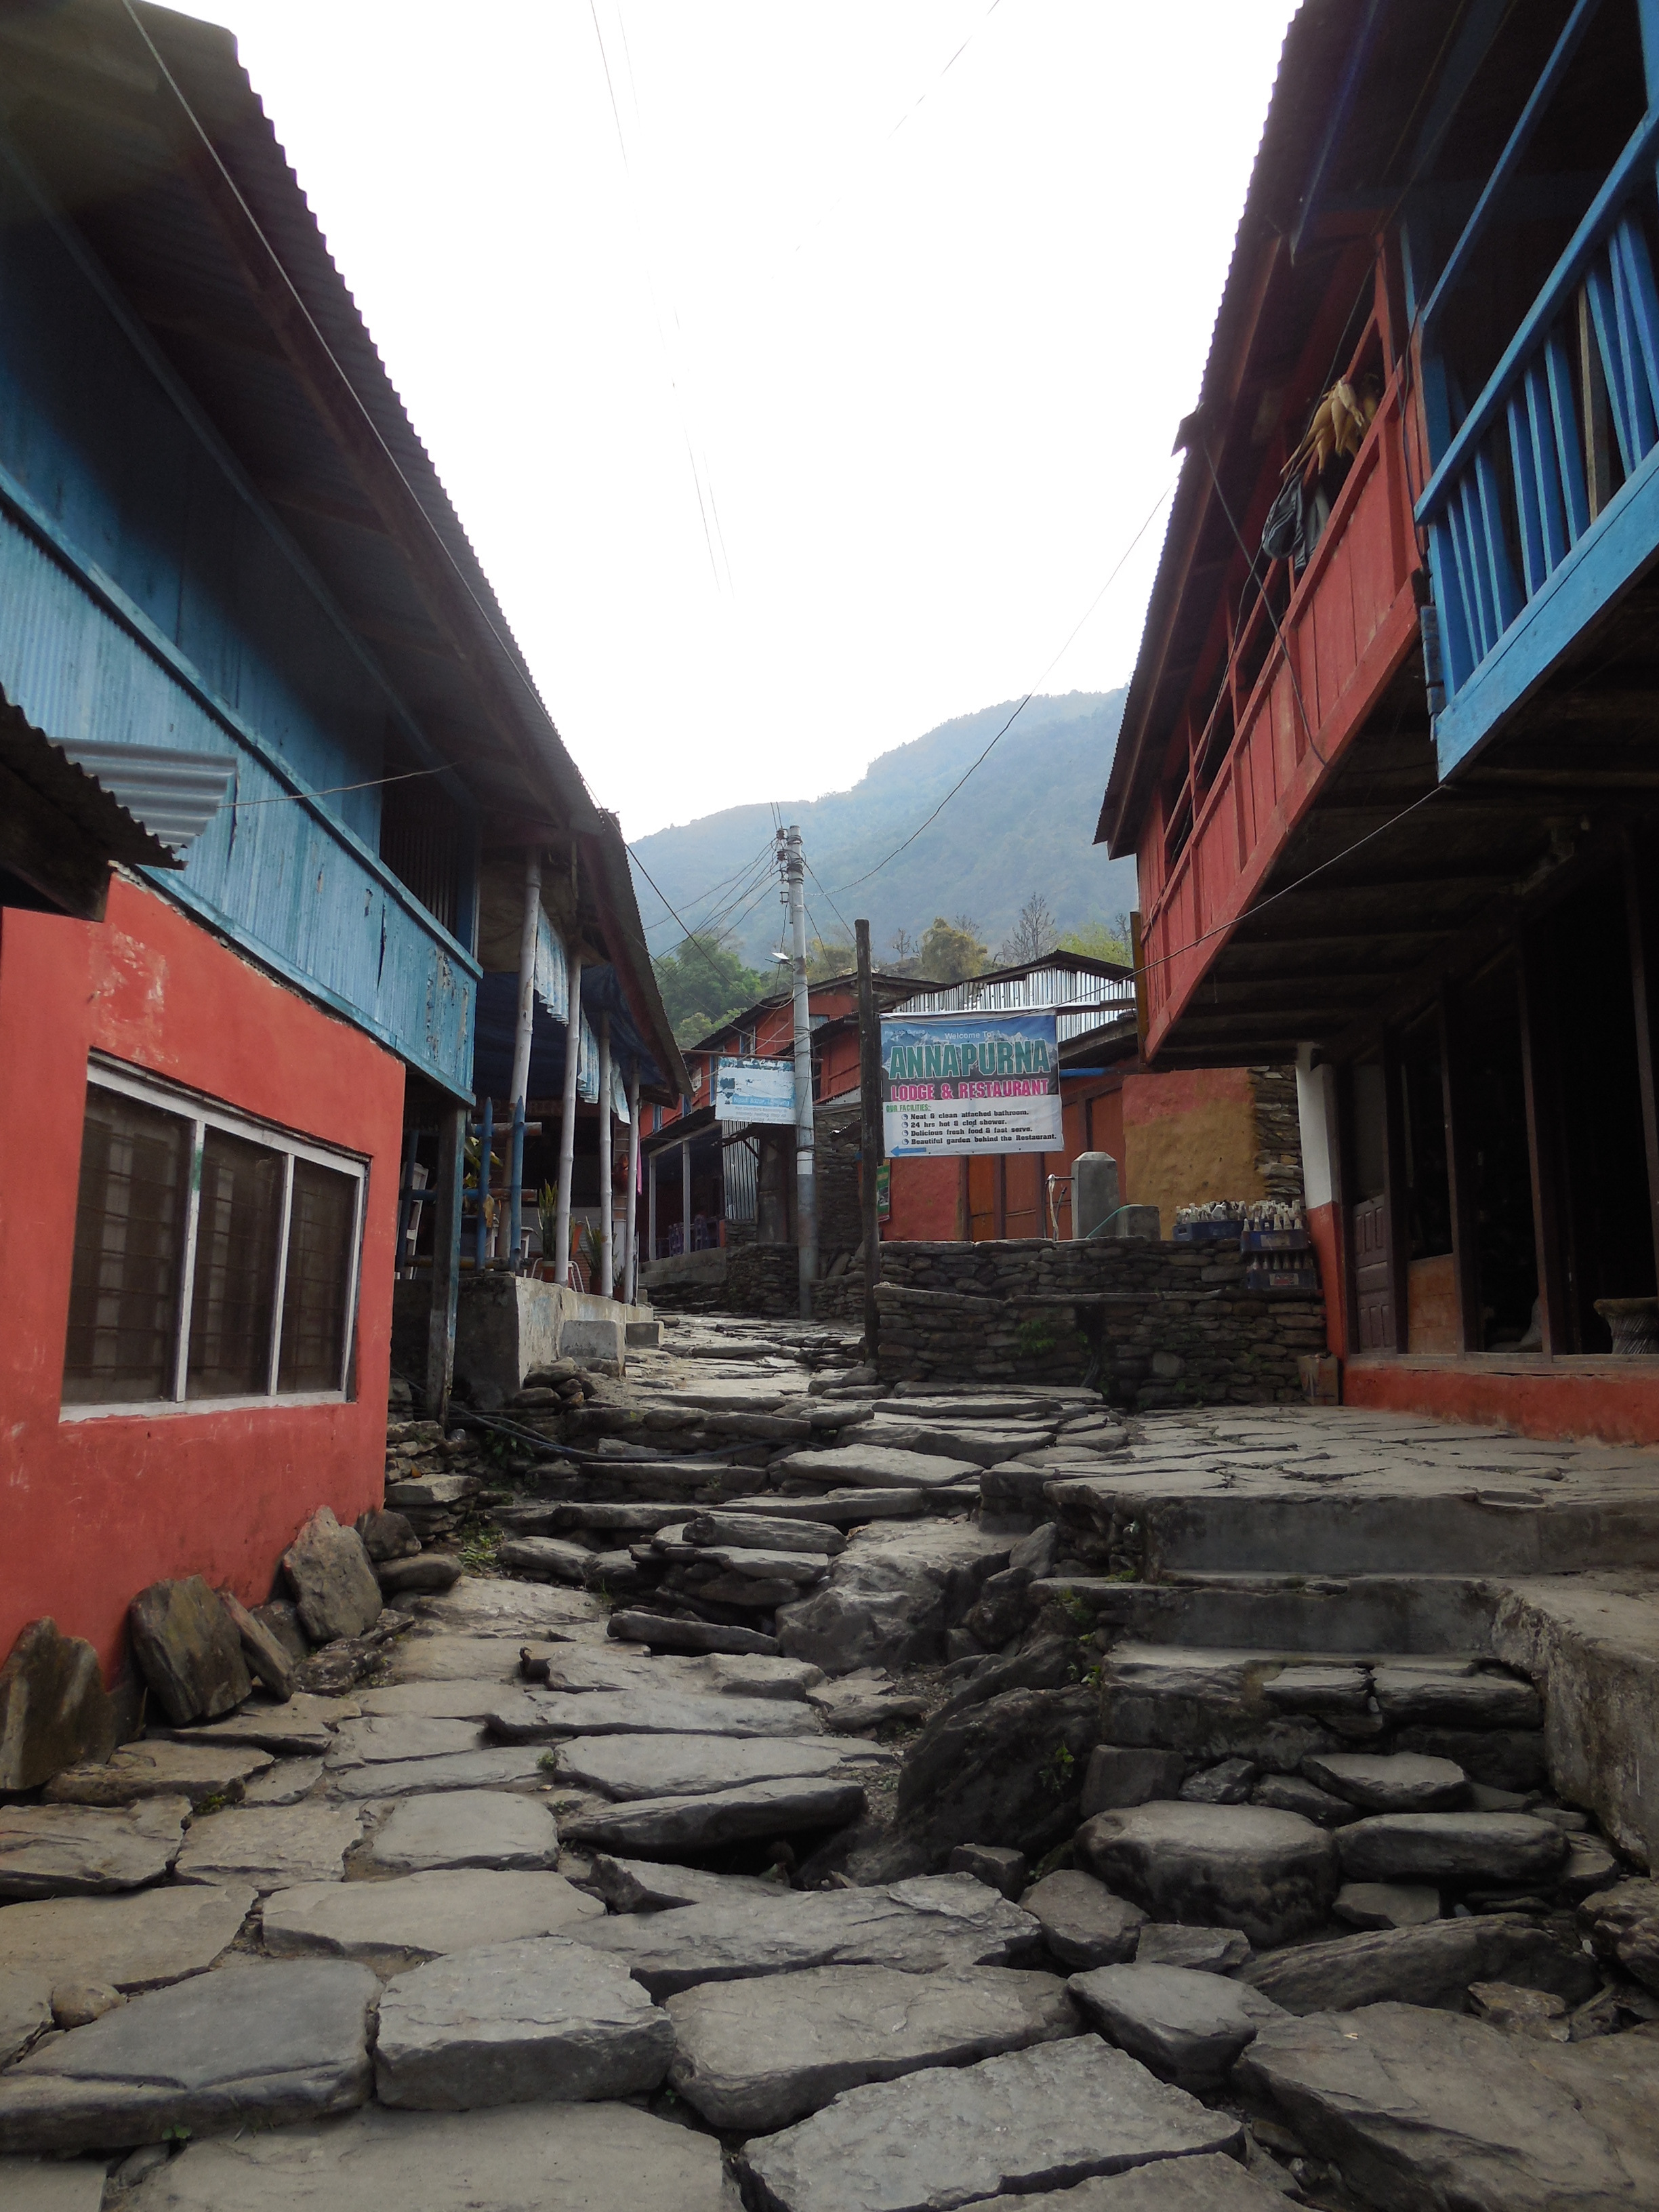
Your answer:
<point x="1379" y="1782"/>
<point x="460" y="1700"/>
<point x="659" y="1633"/>
<point x="1203" y="1950"/>
<point x="542" y="1717"/>
<point x="1209" y="2184"/>
<point x="194" y="1772"/>
<point x="1434" y="2108"/>
<point x="1273" y="1874"/>
<point x="933" y="1924"/>
<point x="502" y="1766"/>
<point x="764" y="1531"/>
<point x="1430" y="1965"/>
<point x="553" y="1556"/>
<point x="841" y="1509"/>
<point x="271" y="1847"/>
<point x="84" y="1850"/>
<point x="665" y="1826"/>
<point x="581" y="1667"/>
<point x="512" y="2023"/>
<point x="1084" y="1923"/>
<point x="753" y="2056"/>
<point x="1033" y="2119"/>
<point x="1187" y="2027"/>
<point x="51" y="2185"/>
<point x="553" y="2158"/>
<point x="445" y="1658"/>
<point x="880" y="1467"/>
<point x="25" y="2010"/>
<point x="634" y="1766"/>
<point x="480" y="1607"/>
<point x="753" y="1675"/>
<point x="489" y="1828"/>
<point x="1454" y="1699"/>
<point x="1319" y="1689"/>
<point x="385" y="1739"/>
<point x="252" y="2046"/>
<point x="1504" y="1850"/>
<point x="132" y="1943"/>
<point x="284" y="1783"/>
<point x="394" y="1925"/>
<point x="302" y="1726"/>
<point x="1386" y="1904"/>
<point x="648" y="1886"/>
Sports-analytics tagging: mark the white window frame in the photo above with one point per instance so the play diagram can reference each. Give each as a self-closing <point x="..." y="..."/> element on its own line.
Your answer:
<point x="203" y="1114"/>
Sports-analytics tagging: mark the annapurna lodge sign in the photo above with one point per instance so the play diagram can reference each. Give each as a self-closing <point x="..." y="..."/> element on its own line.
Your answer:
<point x="970" y="1083"/>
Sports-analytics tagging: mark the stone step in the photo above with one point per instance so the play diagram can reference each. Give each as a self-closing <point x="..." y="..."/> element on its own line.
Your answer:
<point x="1420" y="1614"/>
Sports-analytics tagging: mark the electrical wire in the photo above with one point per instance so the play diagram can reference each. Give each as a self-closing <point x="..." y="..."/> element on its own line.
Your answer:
<point x="1026" y="701"/>
<point x="330" y="791"/>
<point x="840" y="916"/>
<point x="750" y="873"/>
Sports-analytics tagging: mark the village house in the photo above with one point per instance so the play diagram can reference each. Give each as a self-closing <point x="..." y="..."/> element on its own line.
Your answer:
<point x="293" y="856"/>
<point x="1387" y="762"/>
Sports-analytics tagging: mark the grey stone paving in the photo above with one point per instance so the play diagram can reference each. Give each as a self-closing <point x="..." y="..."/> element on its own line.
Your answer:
<point x="68" y="1850"/>
<point x="194" y="1772"/>
<point x="678" y="1765"/>
<point x="137" y="1942"/>
<point x="272" y="1847"/>
<point x="464" y="1828"/>
<point x="678" y="1825"/>
<point x="392" y="1925"/>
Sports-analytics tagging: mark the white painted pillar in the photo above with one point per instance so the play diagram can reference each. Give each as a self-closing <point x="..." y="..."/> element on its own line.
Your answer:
<point x="573" y="1053"/>
<point x="607" y="1216"/>
<point x="630" y="1213"/>
<point x="651" y="1207"/>
<point x="685" y="1195"/>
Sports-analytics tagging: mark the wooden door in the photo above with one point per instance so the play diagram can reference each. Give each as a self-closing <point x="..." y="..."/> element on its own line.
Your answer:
<point x="1373" y="1274"/>
<point x="1023" y="1215"/>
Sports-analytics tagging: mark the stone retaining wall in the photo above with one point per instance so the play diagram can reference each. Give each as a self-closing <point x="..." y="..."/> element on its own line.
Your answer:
<point x="1151" y="1324"/>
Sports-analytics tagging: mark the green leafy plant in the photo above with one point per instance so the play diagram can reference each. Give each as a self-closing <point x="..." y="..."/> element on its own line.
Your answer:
<point x="176" y="2136"/>
<point x="1034" y="1338"/>
<point x="1077" y="1610"/>
<point x="549" y="1762"/>
<point x="215" y="1802"/>
<point x="1055" y="1773"/>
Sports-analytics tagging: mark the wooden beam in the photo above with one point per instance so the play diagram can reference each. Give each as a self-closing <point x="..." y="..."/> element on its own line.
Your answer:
<point x="1395" y="1192"/>
<point x="1541" y="1097"/>
<point x="1456" y="1104"/>
<point x="1642" y="912"/>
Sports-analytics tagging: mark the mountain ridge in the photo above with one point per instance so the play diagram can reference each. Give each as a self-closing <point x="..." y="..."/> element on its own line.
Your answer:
<point x="1023" y="823"/>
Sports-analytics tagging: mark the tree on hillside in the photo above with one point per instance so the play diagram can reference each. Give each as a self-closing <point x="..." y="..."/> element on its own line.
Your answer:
<point x="836" y="958"/>
<point x="952" y="952"/>
<point x="703" y="983"/>
<point x="1101" y="941"/>
<point x="902" y="946"/>
<point x="1036" y="932"/>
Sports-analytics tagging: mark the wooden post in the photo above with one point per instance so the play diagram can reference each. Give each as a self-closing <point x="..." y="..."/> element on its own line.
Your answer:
<point x="631" y="1207"/>
<point x="1394" y="1193"/>
<point x="1543" y="1152"/>
<point x="1643" y="915"/>
<point x="446" y="1173"/>
<point x="1459" y="1171"/>
<point x="607" y="1213"/>
<point x="870" y="1134"/>
<point x="1339" y="1098"/>
<point x="1000" y="1216"/>
<point x="651" y="1207"/>
<point x="685" y="1194"/>
<point x="573" y="1054"/>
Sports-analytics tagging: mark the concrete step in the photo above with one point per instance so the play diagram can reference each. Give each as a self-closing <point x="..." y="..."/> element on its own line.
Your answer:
<point x="1355" y="1613"/>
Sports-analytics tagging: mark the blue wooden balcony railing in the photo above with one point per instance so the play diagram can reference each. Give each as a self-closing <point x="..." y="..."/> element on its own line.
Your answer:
<point x="1524" y="552"/>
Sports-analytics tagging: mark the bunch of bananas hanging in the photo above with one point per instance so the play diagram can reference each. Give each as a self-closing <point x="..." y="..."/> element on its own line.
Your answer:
<point x="1340" y="422"/>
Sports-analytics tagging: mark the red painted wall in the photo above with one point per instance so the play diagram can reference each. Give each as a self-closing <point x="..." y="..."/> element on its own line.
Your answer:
<point x="1322" y="1230"/>
<point x="926" y="1197"/>
<point x="92" y="1510"/>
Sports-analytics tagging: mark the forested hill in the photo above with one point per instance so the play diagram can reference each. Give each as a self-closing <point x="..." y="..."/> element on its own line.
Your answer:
<point x="1024" y="822"/>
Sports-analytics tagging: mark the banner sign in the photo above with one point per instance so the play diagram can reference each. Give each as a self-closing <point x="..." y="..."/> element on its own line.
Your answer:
<point x="970" y="1083"/>
<point x="755" y="1091"/>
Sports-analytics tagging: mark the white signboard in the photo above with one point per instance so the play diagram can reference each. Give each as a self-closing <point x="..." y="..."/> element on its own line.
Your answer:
<point x="755" y="1091"/>
<point x="970" y="1083"/>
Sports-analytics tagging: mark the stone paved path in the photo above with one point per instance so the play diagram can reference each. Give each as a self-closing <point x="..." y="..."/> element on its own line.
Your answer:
<point x="866" y="1804"/>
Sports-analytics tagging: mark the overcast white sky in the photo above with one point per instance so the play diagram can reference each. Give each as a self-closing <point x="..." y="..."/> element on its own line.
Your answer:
<point x="784" y="433"/>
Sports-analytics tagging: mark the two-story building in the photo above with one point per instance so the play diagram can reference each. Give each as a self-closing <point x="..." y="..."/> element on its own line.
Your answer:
<point x="273" y="768"/>
<point x="1388" y="763"/>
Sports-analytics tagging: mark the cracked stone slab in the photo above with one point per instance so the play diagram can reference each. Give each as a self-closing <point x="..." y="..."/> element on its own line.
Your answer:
<point x="668" y="1826"/>
<point x="647" y="1886"/>
<point x="502" y="1766"/>
<point x="1502" y="1848"/>
<point x="302" y="1727"/>
<point x="254" y="2045"/>
<point x="284" y="1783"/>
<point x="460" y="1700"/>
<point x="1206" y="2184"/>
<point x="190" y="1770"/>
<point x="752" y="2057"/>
<point x="553" y="2157"/>
<point x="384" y="1738"/>
<point x="132" y="1943"/>
<point x="394" y="1925"/>
<point x="1034" y="2119"/>
<point x="1383" y="1782"/>
<point x="1432" y="1964"/>
<point x="1205" y="1950"/>
<point x="271" y="1846"/>
<point x="513" y="2023"/>
<point x="576" y="1668"/>
<point x="879" y="1467"/>
<point x="1189" y="2027"/>
<point x="25" y="2010"/>
<point x="51" y="2185"/>
<point x="1419" y="2107"/>
<point x="1274" y="1874"/>
<point x="487" y="1828"/>
<point x="932" y="1924"/>
<point x="634" y="1766"/>
<point x="84" y="1851"/>
<point x="438" y="1657"/>
<point x="480" y="1607"/>
<point x="1456" y="1699"/>
<point x="542" y="1716"/>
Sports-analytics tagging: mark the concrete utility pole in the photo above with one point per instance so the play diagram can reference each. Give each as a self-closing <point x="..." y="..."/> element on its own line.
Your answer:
<point x="870" y="1133"/>
<point x="806" y="1187"/>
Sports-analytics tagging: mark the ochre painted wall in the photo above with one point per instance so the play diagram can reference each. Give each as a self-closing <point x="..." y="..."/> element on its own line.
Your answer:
<point x="92" y="1510"/>
<point x="1188" y="1137"/>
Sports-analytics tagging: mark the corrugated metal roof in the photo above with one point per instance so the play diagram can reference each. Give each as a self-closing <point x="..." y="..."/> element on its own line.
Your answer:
<point x="86" y="804"/>
<point x="1078" y="999"/>
<point x="174" y="795"/>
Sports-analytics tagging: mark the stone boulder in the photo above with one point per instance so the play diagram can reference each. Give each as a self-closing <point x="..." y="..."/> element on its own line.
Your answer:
<point x="1273" y="1874"/>
<point x="753" y="2056"/>
<point x="1623" y="1925"/>
<point x="387" y="1536"/>
<point x="1433" y="1964"/>
<point x="187" y="1646"/>
<point x="1458" y="1850"/>
<point x="1423" y="2108"/>
<point x="1118" y="1776"/>
<point x="330" y="1572"/>
<point x="268" y="1660"/>
<point x="891" y="1596"/>
<point x="54" y="1709"/>
<point x="1379" y="1782"/>
<point x="1008" y="1772"/>
<point x="1083" y="1923"/>
<point x="1187" y="2027"/>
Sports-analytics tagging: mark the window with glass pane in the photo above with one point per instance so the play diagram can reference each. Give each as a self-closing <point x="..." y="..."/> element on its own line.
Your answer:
<point x="317" y="1280"/>
<point x="238" y="1230"/>
<point x="129" y="1228"/>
